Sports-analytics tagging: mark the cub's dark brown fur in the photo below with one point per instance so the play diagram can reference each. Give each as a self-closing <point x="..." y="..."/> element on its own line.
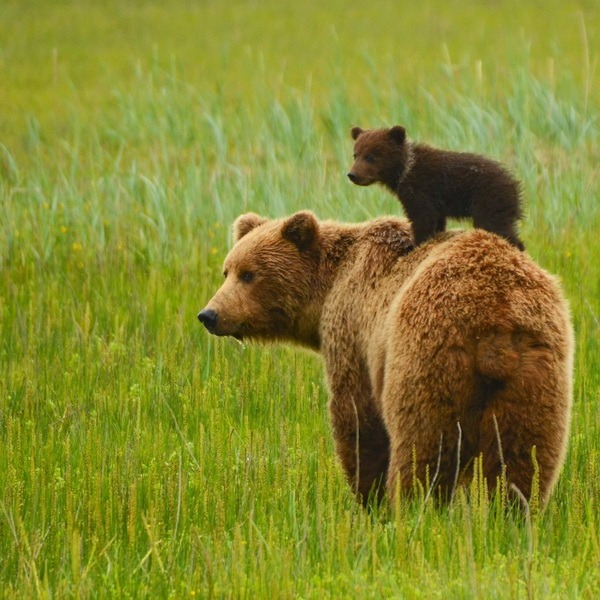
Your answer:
<point x="434" y="184"/>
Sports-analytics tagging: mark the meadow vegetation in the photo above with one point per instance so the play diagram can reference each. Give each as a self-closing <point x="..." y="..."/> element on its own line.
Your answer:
<point x="141" y="457"/>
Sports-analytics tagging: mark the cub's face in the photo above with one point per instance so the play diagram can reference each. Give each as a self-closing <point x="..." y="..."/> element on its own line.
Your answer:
<point x="268" y="277"/>
<point x="376" y="152"/>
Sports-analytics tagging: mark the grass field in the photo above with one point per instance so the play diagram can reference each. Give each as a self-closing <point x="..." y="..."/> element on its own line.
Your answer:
<point x="142" y="458"/>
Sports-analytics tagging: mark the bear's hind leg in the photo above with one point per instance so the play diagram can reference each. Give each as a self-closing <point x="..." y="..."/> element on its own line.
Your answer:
<point x="427" y="467"/>
<point x="425" y="400"/>
<point x="499" y="215"/>
<point x="528" y="406"/>
<point x="510" y="430"/>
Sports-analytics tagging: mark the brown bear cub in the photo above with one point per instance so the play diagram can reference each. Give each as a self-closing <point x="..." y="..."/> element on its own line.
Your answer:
<point x="434" y="184"/>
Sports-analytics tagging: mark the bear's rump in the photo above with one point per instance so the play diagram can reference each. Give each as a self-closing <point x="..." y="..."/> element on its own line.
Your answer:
<point x="475" y="366"/>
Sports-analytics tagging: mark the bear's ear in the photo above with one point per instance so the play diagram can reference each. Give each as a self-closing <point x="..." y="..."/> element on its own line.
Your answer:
<point x="246" y="223"/>
<point x="398" y="134"/>
<point x="355" y="132"/>
<point x="301" y="229"/>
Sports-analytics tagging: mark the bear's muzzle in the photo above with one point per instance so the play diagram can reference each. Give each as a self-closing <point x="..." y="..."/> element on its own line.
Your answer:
<point x="208" y="318"/>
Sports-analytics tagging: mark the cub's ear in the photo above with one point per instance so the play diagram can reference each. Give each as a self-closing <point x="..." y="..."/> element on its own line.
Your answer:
<point x="246" y="223"/>
<point x="355" y="132"/>
<point x="301" y="229"/>
<point x="398" y="134"/>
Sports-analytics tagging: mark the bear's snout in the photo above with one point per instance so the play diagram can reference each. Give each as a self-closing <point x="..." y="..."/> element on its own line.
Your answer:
<point x="360" y="178"/>
<point x="208" y="317"/>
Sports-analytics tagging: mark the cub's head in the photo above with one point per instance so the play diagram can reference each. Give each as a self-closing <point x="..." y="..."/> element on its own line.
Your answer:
<point x="269" y="279"/>
<point x="379" y="154"/>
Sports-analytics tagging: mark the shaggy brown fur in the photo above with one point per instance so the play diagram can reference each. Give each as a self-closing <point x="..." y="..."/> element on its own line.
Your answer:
<point x="463" y="333"/>
<point x="434" y="184"/>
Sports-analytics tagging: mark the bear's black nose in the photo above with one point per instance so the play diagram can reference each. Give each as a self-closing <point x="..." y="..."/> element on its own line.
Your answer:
<point x="208" y="318"/>
<point x="352" y="177"/>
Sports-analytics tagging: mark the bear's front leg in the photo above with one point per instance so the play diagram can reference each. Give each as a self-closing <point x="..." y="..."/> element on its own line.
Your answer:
<point x="425" y="219"/>
<point x="362" y="443"/>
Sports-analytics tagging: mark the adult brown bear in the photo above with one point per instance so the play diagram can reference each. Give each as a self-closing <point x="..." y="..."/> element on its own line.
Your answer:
<point x="457" y="349"/>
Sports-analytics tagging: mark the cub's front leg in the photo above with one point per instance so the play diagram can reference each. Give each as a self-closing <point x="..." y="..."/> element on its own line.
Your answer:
<point x="425" y="219"/>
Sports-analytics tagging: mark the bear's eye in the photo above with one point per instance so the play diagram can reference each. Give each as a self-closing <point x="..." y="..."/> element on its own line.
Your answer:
<point x="370" y="158"/>
<point x="225" y="274"/>
<point x="246" y="276"/>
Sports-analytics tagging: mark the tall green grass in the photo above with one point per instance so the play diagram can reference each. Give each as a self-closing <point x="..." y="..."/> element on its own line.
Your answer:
<point x="141" y="457"/>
